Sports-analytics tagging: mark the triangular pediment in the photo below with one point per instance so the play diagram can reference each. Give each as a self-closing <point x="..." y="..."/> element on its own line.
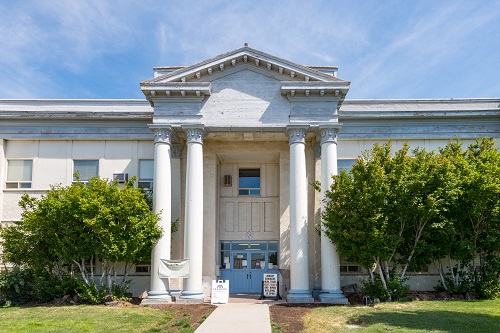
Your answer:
<point x="245" y="56"/>
<point x="195" y="81"/>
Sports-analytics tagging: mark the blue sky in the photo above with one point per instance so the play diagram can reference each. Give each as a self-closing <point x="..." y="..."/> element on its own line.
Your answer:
<point x="387" y="49"/>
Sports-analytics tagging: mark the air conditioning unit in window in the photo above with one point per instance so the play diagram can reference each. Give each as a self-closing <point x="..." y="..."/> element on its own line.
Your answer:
<point x="120" y="177"/>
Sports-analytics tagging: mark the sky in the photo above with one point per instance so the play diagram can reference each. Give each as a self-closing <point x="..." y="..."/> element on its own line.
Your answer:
<point x="96" y="49"/>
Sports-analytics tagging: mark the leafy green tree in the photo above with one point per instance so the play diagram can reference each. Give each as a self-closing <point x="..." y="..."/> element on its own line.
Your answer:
<point x="379" y="214"/>
<point x="69" y="228"/>
<point x="474" y="238"/>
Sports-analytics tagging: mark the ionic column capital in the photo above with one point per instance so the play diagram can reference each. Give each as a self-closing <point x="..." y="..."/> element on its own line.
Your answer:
<point x="176" y="151"/>
<point x="163" y="134"/>
<point x="195" y="134"/>
<point x="296" y="134"/>
<point x="328" y="134"/>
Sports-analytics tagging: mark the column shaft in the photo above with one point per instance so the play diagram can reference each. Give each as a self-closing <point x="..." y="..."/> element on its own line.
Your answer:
<point x="162" y="205"/>
<point x="299" y="263"/>
<point x="330" y="260"/>
<point x="193" y="232"/>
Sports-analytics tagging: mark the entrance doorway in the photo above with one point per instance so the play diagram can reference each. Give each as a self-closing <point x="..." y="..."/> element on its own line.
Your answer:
<point x="245" y="262"/>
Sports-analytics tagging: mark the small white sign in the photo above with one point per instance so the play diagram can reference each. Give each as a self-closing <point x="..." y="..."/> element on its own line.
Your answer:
<point x="220" y="292"/>
<point x="270" y="285"/>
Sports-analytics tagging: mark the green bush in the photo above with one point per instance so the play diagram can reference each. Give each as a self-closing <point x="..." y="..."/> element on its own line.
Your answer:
<point x="92" y="294"/>
<point x="397" y="290"/>
<point x="25" y="285"/>
<point x="16" y="286"/>
<point x="484" y="284"/>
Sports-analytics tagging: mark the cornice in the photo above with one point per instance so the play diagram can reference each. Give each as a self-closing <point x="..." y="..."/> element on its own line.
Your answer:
<point x="315" y="90"/>
<point x="75" y="109"/>
<point x="244" y="55"/>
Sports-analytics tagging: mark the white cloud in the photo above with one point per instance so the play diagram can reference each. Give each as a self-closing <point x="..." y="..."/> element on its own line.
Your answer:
<point x="436" y="39"/>
<point x="390" y="48"/>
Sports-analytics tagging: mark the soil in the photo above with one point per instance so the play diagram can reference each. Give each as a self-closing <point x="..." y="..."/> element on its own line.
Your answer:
<point x="194" y="313"/>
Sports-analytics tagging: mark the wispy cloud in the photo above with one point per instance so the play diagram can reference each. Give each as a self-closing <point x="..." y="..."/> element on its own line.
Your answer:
<point x="40" y="39"/>
<point x="387" y="50"/>
<point x="438" y="37"/>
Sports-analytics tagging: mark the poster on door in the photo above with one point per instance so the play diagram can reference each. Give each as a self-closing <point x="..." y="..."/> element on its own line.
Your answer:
<point x="220" y="292"/>
<point x="270" y="285"/>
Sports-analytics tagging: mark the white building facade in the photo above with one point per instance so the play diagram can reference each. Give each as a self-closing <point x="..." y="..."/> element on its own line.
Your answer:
<point x="230" y="146"/>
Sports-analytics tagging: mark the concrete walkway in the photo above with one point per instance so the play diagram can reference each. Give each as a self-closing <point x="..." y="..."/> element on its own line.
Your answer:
<point x="238" y="317"/>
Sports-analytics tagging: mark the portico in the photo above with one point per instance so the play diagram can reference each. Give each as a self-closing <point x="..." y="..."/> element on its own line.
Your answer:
<point x="242" y="107"/>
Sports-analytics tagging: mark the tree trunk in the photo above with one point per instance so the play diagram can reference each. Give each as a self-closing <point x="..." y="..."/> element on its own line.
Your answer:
<point x="440" y="270"/>
<point x="82" y="272"/>
<point x="451" y="268"/>
<point x="382" y="278"/>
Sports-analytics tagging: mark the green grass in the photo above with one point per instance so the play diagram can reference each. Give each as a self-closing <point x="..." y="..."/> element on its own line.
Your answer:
<point x="84" y="318"/>
<point x="431" y="316"/>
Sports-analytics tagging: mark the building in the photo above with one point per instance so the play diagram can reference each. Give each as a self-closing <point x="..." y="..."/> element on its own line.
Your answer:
<point x="230" y="146"/>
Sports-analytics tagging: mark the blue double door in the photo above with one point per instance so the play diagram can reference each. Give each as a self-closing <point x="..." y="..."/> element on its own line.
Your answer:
<point x="244" y="264"/>
<point x="248" y="271"/>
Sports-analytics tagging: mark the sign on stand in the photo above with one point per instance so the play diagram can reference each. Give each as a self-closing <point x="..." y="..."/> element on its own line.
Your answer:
<point x="220" y="292"/>
<point x="270" y="285"/>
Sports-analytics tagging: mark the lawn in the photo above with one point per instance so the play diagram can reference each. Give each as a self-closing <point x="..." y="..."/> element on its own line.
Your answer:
<point x="84" y="318"/>
<point x="426" y="316"/>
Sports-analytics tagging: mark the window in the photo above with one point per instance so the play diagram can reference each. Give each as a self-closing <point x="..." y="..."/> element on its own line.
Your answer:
<point x="350" y="269"/>
<point x="142" y="268"/>
<point x="249" y="182"/>
<point x="85" y="169"/>
<point x="345" y="165"/>
<point x="19" y="173"/>
<point x="146" y="172"/>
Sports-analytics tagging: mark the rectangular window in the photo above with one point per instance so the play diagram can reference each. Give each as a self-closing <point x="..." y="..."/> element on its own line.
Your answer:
<point x="142" y="268"/>
<point x="249" y="182"/>
<point x="345" y="164"/>
<point x="85" y="169"/>
<point x="19" y="173"/>
<point x="350" y="269"/>
<point x="146" y="173"/>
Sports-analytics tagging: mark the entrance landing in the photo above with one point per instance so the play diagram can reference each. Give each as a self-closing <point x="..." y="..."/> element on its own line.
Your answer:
<point x="251" y="299"/>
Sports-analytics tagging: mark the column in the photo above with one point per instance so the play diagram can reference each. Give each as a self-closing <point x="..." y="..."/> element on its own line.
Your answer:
<point x="162" y="204"/>
<point x="299" y="263"/>
<point x="193" y="229"/>
<point x="330" y="260"/>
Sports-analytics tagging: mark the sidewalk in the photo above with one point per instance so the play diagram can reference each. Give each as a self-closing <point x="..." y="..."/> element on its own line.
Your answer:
<point x="238" y="317"/>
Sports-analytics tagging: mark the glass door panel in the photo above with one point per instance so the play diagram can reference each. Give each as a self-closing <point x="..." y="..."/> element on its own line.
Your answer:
<point x="257" y="270"/>
<point x="239" y="266"/>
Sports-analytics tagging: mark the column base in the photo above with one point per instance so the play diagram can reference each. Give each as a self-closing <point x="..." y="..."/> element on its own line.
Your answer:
<point x="299" y="296"/>
<point x="191" y="297"/>
<point x="157" y="298"/>
<point x="333" y="297"/>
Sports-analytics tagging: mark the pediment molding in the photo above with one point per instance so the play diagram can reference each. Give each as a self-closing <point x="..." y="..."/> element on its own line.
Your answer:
<point x="289" y="71"/>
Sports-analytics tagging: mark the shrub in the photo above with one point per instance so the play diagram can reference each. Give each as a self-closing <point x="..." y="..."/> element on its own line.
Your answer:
<point x="397" y="290"/>
<point x="483" y="284"/>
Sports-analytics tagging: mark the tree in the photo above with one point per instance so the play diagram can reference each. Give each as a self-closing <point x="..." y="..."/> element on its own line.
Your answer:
<point x="379" y="214"/>
<point x="69" y="228"/>
<point x="474" y="238"/>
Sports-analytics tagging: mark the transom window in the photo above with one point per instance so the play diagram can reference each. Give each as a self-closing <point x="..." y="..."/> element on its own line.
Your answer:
<point x="19" y="173"/>
<point x="249" y="182"/>
<point x="85" y="169"/>
<point x="146" y="174"/>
